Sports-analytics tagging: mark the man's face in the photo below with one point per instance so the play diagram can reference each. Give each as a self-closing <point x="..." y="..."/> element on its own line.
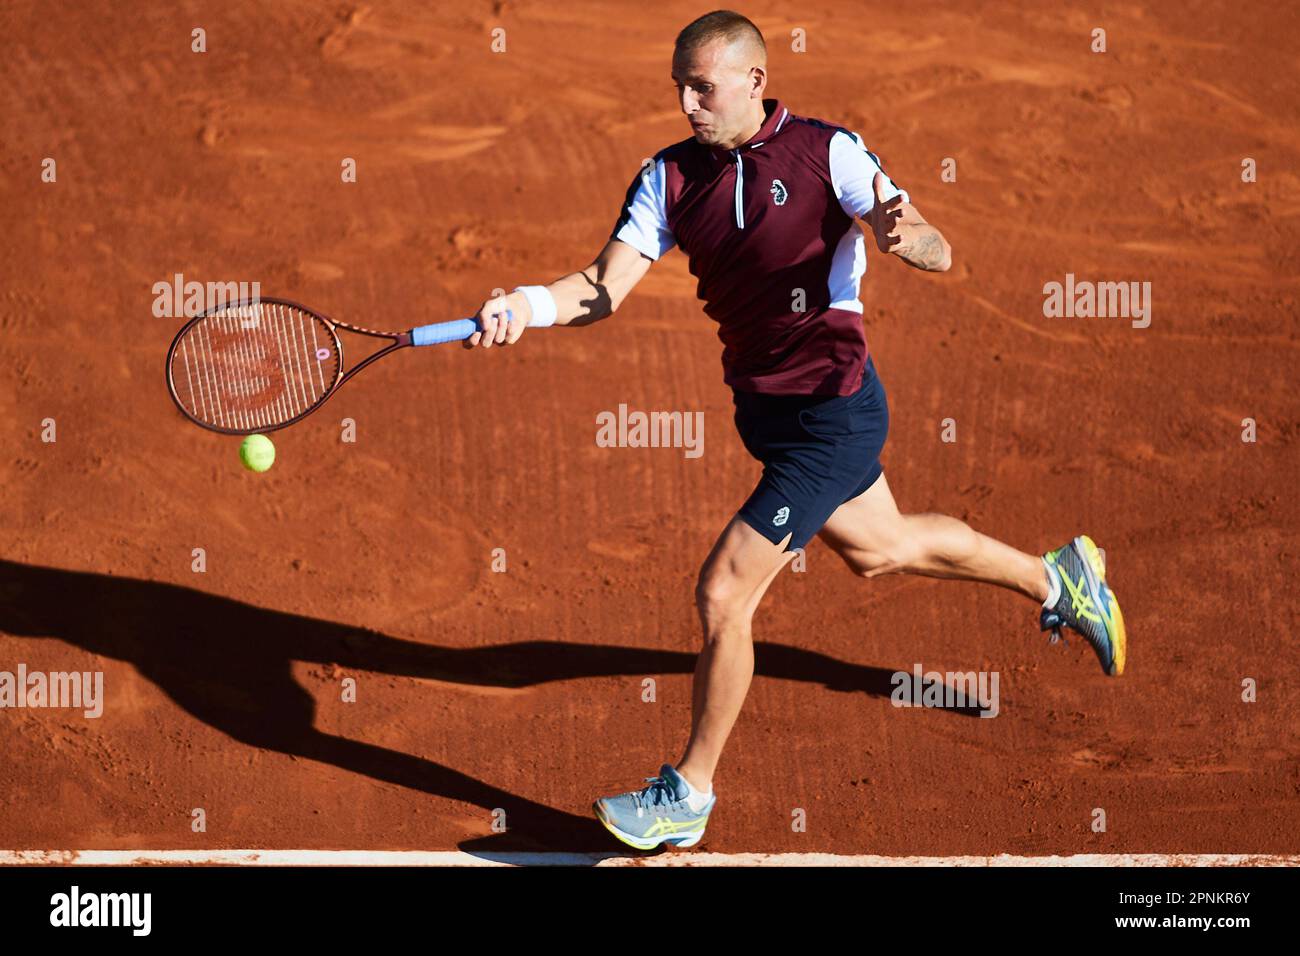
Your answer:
<point x="713" y="87"/>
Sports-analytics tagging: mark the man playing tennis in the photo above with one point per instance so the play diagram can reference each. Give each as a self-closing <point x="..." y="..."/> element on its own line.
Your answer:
<point x="764" y="204"/>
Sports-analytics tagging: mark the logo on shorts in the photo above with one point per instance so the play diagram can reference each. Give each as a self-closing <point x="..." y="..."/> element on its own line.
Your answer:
<point x="779" y="194"/>
<point x="782" y="517"/>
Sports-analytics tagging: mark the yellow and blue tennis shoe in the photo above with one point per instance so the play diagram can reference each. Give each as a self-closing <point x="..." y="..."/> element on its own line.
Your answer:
<point x="1085" y="602"/>
<point x="656" y="814"/>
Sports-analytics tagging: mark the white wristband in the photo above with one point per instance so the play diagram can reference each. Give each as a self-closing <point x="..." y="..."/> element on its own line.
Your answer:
<point x="542" y="304"/>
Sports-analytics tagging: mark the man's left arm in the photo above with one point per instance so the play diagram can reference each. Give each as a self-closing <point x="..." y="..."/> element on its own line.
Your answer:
<point x="866" y="192"/>
<point x="902" y="231"/>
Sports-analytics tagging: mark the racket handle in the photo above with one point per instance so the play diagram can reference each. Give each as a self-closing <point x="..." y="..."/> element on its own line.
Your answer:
<point x="440" y="332"/>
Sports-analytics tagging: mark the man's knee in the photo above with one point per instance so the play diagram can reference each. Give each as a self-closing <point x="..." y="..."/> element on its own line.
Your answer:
<point x="920" y="542"/>
<point x="883" y="554"/>
<point x="870" y="563"/>
<point x="720" y="602"/>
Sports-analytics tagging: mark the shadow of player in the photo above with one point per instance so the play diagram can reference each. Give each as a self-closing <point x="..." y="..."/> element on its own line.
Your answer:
<point x="228" y="664"/>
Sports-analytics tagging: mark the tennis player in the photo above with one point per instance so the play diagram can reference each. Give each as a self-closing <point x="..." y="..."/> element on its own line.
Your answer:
<point x="764" y="203"/>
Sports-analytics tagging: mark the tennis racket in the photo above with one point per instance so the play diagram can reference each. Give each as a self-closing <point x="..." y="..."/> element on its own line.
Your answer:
<point x="258" y="365"/>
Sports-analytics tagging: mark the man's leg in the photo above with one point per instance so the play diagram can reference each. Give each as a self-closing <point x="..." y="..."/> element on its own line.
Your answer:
<point x="873" y="538"/>
<point x="731" y="584"/>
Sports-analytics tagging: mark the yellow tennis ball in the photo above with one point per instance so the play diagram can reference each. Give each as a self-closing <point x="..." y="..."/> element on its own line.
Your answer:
<point x="257" y="453"/>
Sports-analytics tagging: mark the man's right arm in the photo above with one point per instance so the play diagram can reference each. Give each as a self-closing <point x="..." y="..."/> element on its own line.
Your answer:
<point x="598" y="290"/>
<point x="581" y="298"/>
<point x="641" y="236"/>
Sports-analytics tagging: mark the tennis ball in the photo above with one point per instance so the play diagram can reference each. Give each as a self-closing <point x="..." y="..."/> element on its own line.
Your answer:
<point x="257" y="453"/>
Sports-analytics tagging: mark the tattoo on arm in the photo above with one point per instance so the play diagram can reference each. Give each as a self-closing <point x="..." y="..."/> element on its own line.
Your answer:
<point x="926" y="252"/>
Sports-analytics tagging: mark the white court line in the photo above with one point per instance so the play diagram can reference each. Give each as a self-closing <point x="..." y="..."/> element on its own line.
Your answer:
<point x="670" y="858"/>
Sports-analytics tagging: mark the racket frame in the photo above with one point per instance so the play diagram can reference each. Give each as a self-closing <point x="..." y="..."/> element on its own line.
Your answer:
<point x="399" y="340"/>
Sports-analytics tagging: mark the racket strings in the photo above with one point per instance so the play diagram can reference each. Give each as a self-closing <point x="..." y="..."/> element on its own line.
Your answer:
<point x="249" y="367"/>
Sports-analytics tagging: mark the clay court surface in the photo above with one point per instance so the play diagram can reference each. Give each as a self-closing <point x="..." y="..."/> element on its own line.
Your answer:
<point x="523" y="690"/>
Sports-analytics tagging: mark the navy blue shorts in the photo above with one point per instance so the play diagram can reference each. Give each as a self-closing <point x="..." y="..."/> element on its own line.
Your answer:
<point x="817" y="453"/>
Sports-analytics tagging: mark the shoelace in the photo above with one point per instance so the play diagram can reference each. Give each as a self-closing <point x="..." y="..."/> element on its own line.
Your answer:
<point x="1058" y="635"/>
<point x="659" y="793"/>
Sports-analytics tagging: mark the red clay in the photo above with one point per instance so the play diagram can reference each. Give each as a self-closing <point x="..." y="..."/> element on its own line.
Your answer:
<point x="522" y="690"/>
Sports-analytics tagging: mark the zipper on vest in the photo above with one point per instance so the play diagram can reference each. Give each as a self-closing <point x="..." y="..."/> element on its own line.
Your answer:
<point x="740" y="192"/>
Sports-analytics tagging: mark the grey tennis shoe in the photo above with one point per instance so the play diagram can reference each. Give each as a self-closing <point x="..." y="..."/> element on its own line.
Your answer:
<point x="1086" y="603"/>
<point x="657" y="814"/>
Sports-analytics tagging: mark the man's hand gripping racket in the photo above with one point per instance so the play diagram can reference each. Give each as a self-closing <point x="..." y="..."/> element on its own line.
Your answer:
<point x="253" y="367"/>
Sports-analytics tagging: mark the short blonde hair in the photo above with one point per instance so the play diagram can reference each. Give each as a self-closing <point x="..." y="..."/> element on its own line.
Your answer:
<point x="720" y="25"/>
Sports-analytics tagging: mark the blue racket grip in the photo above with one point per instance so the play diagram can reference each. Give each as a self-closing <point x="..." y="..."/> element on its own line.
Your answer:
<point x="440" y="332"/>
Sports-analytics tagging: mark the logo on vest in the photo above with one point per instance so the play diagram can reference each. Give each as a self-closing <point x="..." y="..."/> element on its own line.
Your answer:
<point x="782" y="517"/>
<point x="779" y="194"/>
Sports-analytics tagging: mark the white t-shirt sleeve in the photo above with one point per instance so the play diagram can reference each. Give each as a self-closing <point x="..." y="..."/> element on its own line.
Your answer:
<point x="643" y="224"/>
<point x="853" y="171"/>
